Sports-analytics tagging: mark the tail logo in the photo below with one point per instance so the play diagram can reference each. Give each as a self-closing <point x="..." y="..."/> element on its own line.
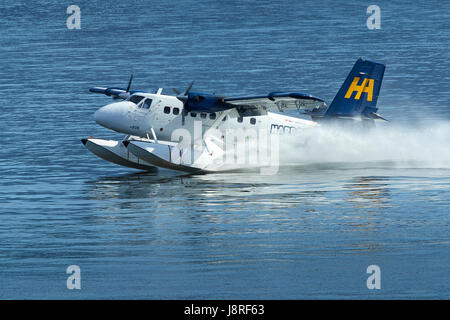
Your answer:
<point x="366" y="86"/>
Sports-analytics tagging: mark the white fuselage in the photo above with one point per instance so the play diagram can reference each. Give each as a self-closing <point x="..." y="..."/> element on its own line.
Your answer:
<point x="145" y="113"/>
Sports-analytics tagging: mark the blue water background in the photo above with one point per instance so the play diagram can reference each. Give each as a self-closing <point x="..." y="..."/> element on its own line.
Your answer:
<point x="308" y="232"/>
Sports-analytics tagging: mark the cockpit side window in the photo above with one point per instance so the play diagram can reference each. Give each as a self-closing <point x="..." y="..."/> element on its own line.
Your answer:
<point x="136" y="99"/>
<point x="147" y="103"/>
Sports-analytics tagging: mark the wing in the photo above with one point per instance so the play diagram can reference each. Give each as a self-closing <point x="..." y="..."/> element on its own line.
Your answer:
<point x="279" y="101"/>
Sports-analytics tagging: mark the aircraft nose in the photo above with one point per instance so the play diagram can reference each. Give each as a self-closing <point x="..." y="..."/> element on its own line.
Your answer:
<point x="113" y="116"/>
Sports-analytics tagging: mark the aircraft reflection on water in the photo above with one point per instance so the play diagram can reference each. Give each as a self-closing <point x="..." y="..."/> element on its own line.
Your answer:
<point x="366" y="192"/>
<point x="292" y="187"/>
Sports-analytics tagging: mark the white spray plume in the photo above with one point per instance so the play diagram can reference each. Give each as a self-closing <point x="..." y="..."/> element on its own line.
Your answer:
<point x="424" y="145"/>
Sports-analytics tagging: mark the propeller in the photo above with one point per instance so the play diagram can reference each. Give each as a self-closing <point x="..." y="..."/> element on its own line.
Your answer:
<point x="189" y="88"/>
<point x="183" y="98"/>
<point x="127" y="92"/>
<point x="129" y="83"/>
<point x="197" y="98"/>
<point x="176" y="91"/>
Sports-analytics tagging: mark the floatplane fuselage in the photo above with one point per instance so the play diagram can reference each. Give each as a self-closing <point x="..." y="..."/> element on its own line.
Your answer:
<point x="197" y="132"/>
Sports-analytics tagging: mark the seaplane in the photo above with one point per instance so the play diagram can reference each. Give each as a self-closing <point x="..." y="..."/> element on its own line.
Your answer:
<point x="199" y="132"/>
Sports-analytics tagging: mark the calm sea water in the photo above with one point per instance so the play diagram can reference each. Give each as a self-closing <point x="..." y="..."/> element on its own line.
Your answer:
<point x="308" y="232"/>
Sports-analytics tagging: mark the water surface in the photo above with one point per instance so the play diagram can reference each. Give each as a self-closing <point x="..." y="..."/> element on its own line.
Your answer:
<point x="308" y="232"/>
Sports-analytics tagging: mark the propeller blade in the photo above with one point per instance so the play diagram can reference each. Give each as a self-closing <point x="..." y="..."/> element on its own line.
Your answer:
<point x="176" y="91"/>
<point x="129" y="83"/>
<point x="182" y="98"/>
<point x="189" y="88"/>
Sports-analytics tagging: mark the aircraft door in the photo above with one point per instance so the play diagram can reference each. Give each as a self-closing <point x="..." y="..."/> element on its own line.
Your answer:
<point x="139" y="115"/>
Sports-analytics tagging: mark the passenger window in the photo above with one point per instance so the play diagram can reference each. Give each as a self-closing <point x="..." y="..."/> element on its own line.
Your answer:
<point x="167" y="110"/>
<point x="240" y="119"/>
<point x="147" y="103"/>
<point x="203" y="115"/>
<point x="252" y="120"/>
<point x="224" y="118"/>
<point x="212" y="116"/>
<point x="193" y="114"/>
<point x="176" y="111"/>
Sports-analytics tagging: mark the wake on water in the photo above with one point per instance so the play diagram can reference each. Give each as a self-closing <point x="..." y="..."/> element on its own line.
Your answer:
<point x="423" y="145"/>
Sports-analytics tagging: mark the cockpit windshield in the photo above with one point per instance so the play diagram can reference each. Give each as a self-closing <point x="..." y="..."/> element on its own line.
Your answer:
<point x="136" y="98"/>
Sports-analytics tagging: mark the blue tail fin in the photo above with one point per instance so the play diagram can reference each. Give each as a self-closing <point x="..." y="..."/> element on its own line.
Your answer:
<point x="359" y="94"/>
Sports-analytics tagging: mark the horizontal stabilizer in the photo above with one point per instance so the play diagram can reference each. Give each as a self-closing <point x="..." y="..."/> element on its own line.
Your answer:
<point x="374" y="115"/>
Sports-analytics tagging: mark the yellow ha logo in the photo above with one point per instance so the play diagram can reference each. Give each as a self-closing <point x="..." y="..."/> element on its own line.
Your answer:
<point x="366" y="86"/>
